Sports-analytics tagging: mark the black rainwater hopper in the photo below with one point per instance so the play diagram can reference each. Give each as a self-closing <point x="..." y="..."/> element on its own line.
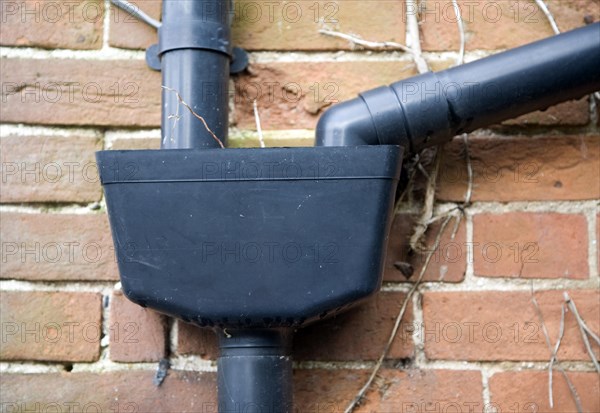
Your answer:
<point x="255" y="243"/>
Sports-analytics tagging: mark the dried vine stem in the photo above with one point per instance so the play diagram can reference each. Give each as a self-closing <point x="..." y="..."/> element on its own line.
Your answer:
<point x="561" y="333"/>
<point x="461" y="31"/>
<point x="362" y="392"/>
<point x="367" y="44"/>
<point x="544" y="8"/>
<point x="570" y="384"/>
<point x="426" y="216"/>
<point x="413" y="38"/>
<point x="583" y="329"/>
<point x="188" y="107"/>
<point x="258" y="128"/>
<point x="469" y="192"/>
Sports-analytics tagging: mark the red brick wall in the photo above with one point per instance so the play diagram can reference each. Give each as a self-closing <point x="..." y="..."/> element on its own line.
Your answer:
<point x="74" y="81"/>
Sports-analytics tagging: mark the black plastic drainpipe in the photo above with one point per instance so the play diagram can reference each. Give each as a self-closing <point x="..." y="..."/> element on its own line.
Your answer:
<point x="254" y="367"/>
<point x="195" y="49"/>
<point x="430" y="109"/>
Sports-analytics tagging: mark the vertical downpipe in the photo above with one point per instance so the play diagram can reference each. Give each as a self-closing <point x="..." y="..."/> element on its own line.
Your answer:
<point x="195" y="49"/>
<point x="254" y="371"/>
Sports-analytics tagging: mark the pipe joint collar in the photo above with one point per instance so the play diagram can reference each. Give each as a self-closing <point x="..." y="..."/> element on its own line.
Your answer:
<point x="387" y="116"/>
<point x="195" y="34"/>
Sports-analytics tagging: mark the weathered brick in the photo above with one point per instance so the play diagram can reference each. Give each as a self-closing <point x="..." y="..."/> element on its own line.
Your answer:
<point x="496" y="25"/>
<point x="358" y="334"/>
<point x="499" y="326"/>
<point x="136" y="334"/>
<point x="522" y="168"/>
<point x="56" y="247"/>
<point x="393" y="391"/>
<point x="50" y="326"/>
<point x="531" y="393"/>
<point x="196" y="340"/>
<point x="67" y="25"/>
<point x="123" y="391"/>
<point x="127" y="93"/>
<point x="448" y="263"/>
<point x="571" y="113"/>
<point x="278" y="25"/>
<point x="264" y="25"/>
<point x="315" y="390"/>
<point x="130" y="33"/>
<point x="530" y="245"/>
<point x="80" y="92"/>
<point x="49" y="169"/>
<point x="292" y="95"/>
<point x="597" y="243"/>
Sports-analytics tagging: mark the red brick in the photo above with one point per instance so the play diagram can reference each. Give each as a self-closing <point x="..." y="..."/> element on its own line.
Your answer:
<point x="50" y="326"/>
<point x="297" y="27"/>
<point x="196" y="340"/>
<point x="49" y="169"/>
<point x="123" y="391"/>
<point x="393" y="391"/>
<point x="293" y="95"/>
<point x="496" y="25"/>
<point x="501" y="326"/>
<point x="317" y="84"/>
<point x="598" y="240"/>
<point x="315" y="391"/>
<point x="447" y="264"/>
<point x="522" y="168"/>
<point x="358" y="334"/>
<point x="530" y="245"/>
<point x="56" y="247"/>
<point x="130" y="33"/>
<point x="136" y="334"/>
<point x="571" y="113"/>
<point x="531" y="393"/>
<point x="274" y="25"/>
<point x="104" y="93"/>
<point x="264" y="26"/>
<point x="64" y="25"/>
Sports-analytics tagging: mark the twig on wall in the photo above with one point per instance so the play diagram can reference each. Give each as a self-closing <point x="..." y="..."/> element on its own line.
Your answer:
<point x="176" y="116"/>
<point x="570" y="384"/>
<point x="427" y="213"/>
<point x="544" y="8"/>
<point x="188" y="107"/>
<point x="461" y="31"/>
<point x="367" y="44"/>
<point x="583" y="329"/>
<point x="413" y="38"/>
<point x="258" y="128"/>
<point x="361" y="394"/>
<point x="469" y="192"/>
<point x="561" y="333"/>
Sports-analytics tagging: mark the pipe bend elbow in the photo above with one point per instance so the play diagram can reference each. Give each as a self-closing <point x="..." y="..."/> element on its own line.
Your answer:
<point x="346" y="124"/>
